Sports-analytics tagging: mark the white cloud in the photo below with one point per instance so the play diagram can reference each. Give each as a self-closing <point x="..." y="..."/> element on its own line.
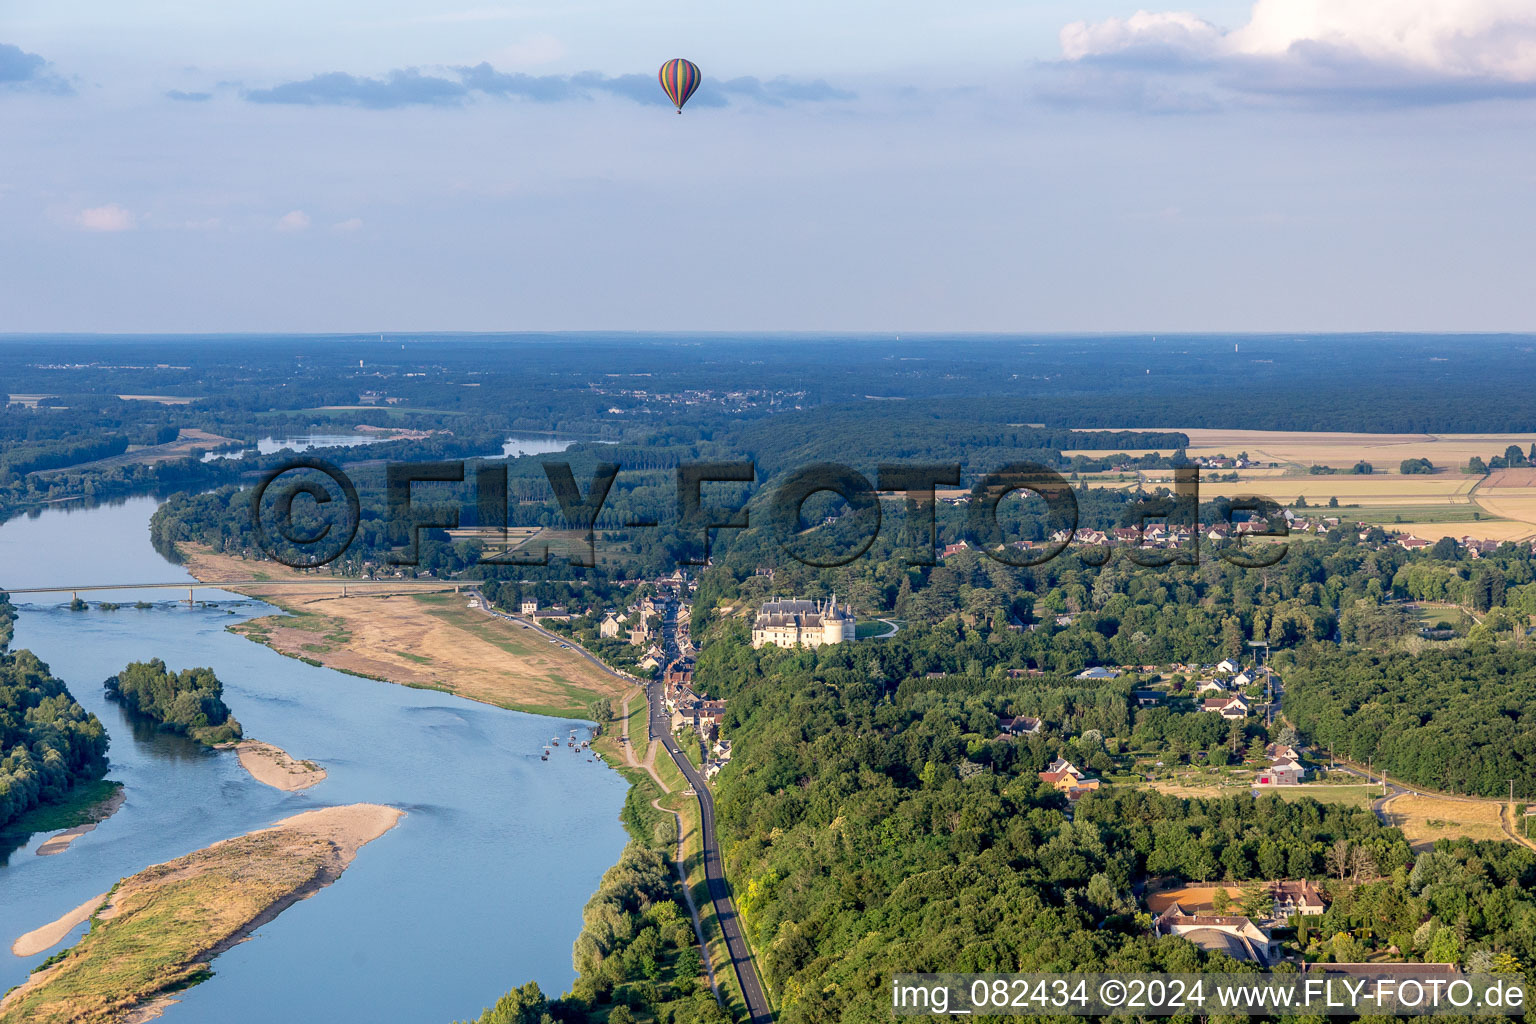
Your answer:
<point x="1465" y="48"/>
<point x="350" y="224"/>
<point x="1174" y="30"/>
<point x="110" y="217"/>
<point x="296" y="220"/>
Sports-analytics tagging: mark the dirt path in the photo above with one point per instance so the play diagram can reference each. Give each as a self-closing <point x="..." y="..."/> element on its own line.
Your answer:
<point x="649" y="764"/>
<point x="693" y="910"/>
<point x="1512" y="826"/>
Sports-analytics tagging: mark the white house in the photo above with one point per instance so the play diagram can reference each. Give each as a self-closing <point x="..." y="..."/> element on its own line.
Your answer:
<point x="529" y="606"/>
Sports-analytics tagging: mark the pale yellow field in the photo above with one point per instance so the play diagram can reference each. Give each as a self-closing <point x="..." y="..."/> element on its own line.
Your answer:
<point x="1518" y="503"/>
<point x="1442" y="489"/>
<point x="1484" y="529"/>
<point x="1344" y="449"/>
<point x="1424" y="819"/>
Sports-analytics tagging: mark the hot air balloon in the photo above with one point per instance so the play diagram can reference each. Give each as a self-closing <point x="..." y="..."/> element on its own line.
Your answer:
<point x="679" y="78"/>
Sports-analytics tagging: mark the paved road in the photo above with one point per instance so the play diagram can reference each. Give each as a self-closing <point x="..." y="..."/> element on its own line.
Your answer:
<point x="719" y="893"/>
<point x="725" y="907"/>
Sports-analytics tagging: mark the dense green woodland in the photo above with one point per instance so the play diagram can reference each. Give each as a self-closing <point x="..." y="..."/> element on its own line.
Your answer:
<point x="1459" y="721"/>
<point x="7" y="620"/>
<point x="47" y="740"/>
<point x="190" y="702"/>
<point x="870" y="831"/>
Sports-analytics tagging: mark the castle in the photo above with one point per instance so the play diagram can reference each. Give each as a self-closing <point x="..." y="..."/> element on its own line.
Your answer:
<point x="791" y="623"/>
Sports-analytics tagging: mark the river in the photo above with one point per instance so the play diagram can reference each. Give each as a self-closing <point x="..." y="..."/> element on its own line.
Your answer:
<point x="479" y="888"/>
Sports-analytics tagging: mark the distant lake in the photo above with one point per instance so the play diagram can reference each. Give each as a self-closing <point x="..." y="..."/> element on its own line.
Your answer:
<point x="511" y="447"/>
<point x="478" y="888"/>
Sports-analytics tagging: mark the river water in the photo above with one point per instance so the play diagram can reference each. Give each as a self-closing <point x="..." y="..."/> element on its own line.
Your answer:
<point x="478" y="888"/>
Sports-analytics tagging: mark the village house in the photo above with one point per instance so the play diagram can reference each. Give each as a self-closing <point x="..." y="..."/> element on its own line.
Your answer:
<point x="1296" y="897"/>
<point x="1230" y="708"/>
<point x="528" y="607"/>
<point x="1282" y="771"/>
<point x="1065" y="777"/>
<point x="609" y="627"/>
<point x="800" y="623"/>
<point x="1147" y="698"/>
<point x="1020" y="725"/>
<point x="1211" y="686"/>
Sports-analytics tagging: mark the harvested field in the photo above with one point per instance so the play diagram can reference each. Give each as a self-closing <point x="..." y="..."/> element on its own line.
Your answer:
<point x="1424" y="819"/>
<point x="1341" y="449"/>
<point x="1524" y="476"/>
<point x="183" y="446"/>
<point x="1487" y="528"/>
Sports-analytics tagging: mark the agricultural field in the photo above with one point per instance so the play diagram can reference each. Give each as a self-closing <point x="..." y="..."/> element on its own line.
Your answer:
<point x="1341" y="450"/>
<point x="1510" y="494"/>
<point x="187" y="442"/>
<point x="1424" y="819"/>
<point x="1446" y="503"/>
<point x="1376" y="489"/>
<point x="1448" y="452"/>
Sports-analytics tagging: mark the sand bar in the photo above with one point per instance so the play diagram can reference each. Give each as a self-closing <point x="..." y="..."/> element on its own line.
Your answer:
<point x="51" y="934"/>
<point x="274" y="767"/>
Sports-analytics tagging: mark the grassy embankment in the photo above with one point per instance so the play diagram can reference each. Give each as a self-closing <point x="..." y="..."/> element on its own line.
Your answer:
<point x="83" y="805"/>
<point x="658" y="827"/>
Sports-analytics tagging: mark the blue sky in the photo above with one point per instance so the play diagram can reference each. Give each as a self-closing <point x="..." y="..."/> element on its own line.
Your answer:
<point x="337" y="166"/>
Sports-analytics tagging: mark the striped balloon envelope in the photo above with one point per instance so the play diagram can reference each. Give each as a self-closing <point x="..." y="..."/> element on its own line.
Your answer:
<point x="679" y="79"/>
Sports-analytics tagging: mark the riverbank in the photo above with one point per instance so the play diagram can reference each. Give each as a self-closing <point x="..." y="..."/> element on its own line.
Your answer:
<point x="393" y="632"/>
<point x="86" y="806"/>
<point x="155" y="932"/>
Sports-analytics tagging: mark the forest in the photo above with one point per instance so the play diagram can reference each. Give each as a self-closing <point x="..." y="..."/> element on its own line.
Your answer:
<point x="48" y="742"/>
<point x="190" y="702"/>
<point x="1457" y="721"/>
<point x="870" y="831"/>
<point x="7" y="621"/>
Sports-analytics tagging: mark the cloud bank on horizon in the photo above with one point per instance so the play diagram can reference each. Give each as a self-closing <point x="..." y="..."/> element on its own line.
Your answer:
<point x="1389" y="51"/>
<point x="406" y="87"/>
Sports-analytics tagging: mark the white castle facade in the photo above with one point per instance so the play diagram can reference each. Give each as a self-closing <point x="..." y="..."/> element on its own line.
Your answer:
<point x="798" y="623"/>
